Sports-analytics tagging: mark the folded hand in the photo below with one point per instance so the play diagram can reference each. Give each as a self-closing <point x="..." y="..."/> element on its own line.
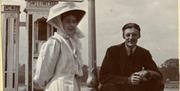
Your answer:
<point x="144" y="74"/>
<point x="135" y="78"/>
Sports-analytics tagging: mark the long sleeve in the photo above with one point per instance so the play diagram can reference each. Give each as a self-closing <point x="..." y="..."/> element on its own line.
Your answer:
<point x="106" y="72"/>
<point x="152" y="67"/>
<point x="106" y="68"/>
<point x="46" y="63"/>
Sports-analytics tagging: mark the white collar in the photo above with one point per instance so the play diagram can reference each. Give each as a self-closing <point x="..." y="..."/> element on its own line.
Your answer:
<point x="128" y="49"/>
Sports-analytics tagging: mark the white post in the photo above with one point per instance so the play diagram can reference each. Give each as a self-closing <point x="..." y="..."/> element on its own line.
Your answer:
<point x="10" y="30"/>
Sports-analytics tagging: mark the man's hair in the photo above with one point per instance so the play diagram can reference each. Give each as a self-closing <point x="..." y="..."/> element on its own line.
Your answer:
<point x="131" y="25"/>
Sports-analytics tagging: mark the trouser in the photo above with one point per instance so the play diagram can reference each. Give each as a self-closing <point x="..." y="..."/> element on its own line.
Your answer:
<point x="148" y="86"/>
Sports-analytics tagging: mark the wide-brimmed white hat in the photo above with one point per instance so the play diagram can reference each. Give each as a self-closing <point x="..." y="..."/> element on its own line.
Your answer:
<point x="66" y="8"/>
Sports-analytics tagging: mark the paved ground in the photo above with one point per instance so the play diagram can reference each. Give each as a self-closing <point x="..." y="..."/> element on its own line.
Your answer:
<point x="86" y="89"/>
<point x="166" y="89"/>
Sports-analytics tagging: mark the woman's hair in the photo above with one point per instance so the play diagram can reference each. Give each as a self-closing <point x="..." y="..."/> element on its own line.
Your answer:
<point x="77" y="13"/>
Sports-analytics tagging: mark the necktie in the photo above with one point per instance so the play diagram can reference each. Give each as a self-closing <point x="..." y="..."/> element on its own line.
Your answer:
<point x="77" y="64"/>
<point x="130" y="54"/>
<point x="70" y="43"/>
<point x="72" y="47"/>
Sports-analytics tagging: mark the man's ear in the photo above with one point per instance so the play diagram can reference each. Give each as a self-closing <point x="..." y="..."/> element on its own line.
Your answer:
<point x="123" y="35"/>
<point x="139" y="35"/>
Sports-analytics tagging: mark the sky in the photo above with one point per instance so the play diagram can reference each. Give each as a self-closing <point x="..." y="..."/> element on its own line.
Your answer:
<point x="158" y="20"/>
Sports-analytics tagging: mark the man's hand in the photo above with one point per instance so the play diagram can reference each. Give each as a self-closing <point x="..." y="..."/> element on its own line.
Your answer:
<point x="135" y="78"/>
<point x="144" y="74"/>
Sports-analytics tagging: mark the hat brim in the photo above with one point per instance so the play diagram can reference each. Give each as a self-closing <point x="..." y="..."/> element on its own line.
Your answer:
<point x="79" y="14"/>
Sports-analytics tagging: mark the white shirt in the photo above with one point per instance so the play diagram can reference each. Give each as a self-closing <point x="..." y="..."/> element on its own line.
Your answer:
<point x="129" y="49"/>
<point x="57" y="65"/>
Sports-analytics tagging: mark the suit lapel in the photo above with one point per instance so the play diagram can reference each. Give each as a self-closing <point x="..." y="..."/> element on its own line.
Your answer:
<point x="122" y="58"/>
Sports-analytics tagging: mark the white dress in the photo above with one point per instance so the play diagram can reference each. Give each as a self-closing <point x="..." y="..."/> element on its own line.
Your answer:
<point x="58" y="64"/>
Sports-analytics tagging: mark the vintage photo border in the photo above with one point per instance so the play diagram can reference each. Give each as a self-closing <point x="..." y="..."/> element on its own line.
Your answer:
<point x="1" y="68"/>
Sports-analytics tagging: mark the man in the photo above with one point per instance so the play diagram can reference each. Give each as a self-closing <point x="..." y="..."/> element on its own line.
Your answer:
<point x="128" y="67"/>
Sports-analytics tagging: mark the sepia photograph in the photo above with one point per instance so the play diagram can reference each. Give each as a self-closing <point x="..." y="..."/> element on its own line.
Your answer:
<point x="89" y="45"/>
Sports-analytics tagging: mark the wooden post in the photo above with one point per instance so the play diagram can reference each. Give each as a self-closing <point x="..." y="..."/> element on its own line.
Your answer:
<point x="30" y="17"/>
<point x="92" y="80"/>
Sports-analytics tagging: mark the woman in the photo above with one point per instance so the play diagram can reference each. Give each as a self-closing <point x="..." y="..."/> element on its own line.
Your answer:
<point x="59" y="64"/>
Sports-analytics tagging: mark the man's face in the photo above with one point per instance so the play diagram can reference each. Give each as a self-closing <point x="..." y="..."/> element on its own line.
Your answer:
<point x="131" y="36"/>
<point x="69" y="24"/>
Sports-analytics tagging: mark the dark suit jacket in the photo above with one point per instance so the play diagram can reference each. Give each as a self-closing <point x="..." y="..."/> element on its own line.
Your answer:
<point x="117" y="66"/>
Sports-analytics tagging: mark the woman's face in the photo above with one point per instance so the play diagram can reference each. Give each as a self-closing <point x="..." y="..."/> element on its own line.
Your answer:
<point x="69" y="24"/>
